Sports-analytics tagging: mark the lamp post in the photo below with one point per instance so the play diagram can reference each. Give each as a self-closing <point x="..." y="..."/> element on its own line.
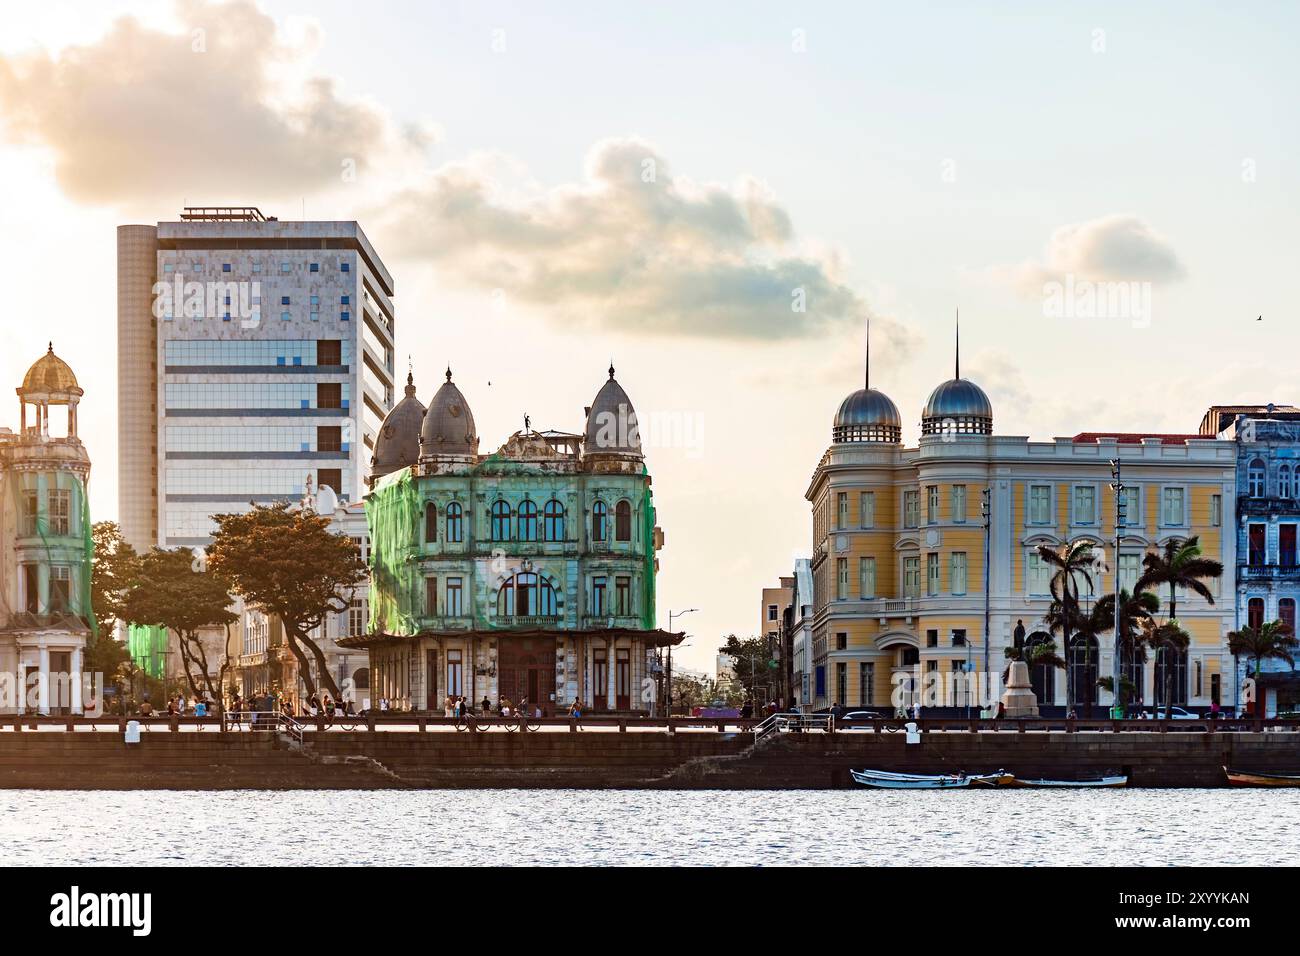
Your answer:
<point x="1120" y="516"/>
<point x="986" y="509"/>
<point x="668" y="673"/>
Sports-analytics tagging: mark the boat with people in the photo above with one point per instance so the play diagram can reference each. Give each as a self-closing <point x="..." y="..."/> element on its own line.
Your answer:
<point x="1242" y="778"/>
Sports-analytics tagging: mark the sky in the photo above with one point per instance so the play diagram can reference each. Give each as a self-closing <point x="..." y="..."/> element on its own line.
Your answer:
<point x="716" y="197"/>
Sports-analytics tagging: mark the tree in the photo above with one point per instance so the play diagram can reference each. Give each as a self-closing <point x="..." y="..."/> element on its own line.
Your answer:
<point x="114" y="567"/>
<point x="1071" y="561"/>
<point x="1273" y="640"/>
<point x="755" y="669"/>
<point x="1179" y="565"/>
<point x="1166" y="641"/>
<point x="284" y="561"/>
<point x="691" y="691"/>
<point x="170" y="591"/>
<point x="1135" y="611"/>
<point x="1126" y="688"/>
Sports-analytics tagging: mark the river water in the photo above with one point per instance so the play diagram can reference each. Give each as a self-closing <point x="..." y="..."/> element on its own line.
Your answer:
<point x="638" y="827"/>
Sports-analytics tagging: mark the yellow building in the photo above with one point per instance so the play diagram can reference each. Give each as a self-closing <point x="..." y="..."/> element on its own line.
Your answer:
<point x="900" y="539"/>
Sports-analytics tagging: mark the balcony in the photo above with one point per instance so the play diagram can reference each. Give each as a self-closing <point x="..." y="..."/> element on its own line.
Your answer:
<point x="1271" y="572"/>
<point x="1266" y="506"/>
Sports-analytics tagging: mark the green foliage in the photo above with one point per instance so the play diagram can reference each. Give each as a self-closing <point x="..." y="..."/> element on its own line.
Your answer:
<point x="114" y="568"/>
<point x="754" y="674"/>
<point x="1273" y="640"/>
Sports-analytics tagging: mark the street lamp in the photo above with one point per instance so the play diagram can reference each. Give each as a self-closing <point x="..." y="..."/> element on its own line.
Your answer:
<point x="668" y="674"/>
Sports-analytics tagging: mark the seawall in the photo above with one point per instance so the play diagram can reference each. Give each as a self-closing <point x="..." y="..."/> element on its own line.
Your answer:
<point x="696" y="760"/>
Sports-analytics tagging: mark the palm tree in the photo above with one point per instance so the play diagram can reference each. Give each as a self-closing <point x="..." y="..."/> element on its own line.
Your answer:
<point x="1274" y="639"/>
<point x="1071" y="562"/>
<point x="1134" y="611"/>
<point x="1167" y="641"/>
<point x="1126" y="688"/>
<point x="1179" y="565"/>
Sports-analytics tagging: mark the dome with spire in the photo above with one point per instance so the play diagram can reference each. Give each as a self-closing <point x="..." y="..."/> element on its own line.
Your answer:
<point x="51" y="375"/>
<point x="958" y="406"/>
<point x="868" y="415"/>
<point x="398" y="444"/>
<point x="448" y="427"/>
<point x="611" y="423"/>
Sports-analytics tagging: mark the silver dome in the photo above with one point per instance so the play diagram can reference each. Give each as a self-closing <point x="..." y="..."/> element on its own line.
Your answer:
<point x="448" y="424"/>
<point x="868" y="415"/>
<point x="958" y="406"/>
<point x="398" y="443"/>
<point x="611" y="423"/>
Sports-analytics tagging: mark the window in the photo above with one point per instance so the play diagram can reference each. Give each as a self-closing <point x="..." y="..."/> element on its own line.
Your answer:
<point x="553" y="521"/>
<point x="500" y="521"/>
<point x="957" y="572"/>
<point x="431" y="597"/>
<point x="329" y="352"/>
<point x="1216" y="511"/>
<point x="623" y="521"/>
<point x="32" y="588"/>
<point x="841" y="578"/>
<point x="932" y="573"/>
<point x="1085" y="504"/>
<point x="225" y="267"/>
<point x="345" y="267"/>
<point x="866" y="683"/>
<point x="932" y="504"/>
<point x="841" y="682"/>
<point x="958" y="638"/>
<point x="284" y="300"/>
<point x="454" y="607"/>
<point x="599" y="521"/>
<point x="59" y="520"/>
<point x="1286" y="612"/>
<point x="455" y="667"/>
<point x="867" y="509"/>
<point x="315" y="267"/>
<point x="912" y="577"/>
<point x="842" y="509"/>
<point x="329" y="438"/>
<point x="1255" y="478"/>
<point x="257" y="267"/>
<point x="598" y="596"/>
<point x="1255" y="613"/>
<point x="1040" y="573"/>
<point x="60" y="588"/>
<point x="771" y="612"/>
<point x="1255" y="542"/>
<point x="31" y="514"/>
<point x="430" y="523"/>
<point x="455" y="528"/>
<point x="356" y="617"/>
<point x="527" y="521"/>
<point x="1129" y="567"/>
<point x="329" y="395"/>
<point x="527" y="595"/>
<point x="959" y="503"/>
<point x="1172" y="512"/>
<point x="1040" y="504"/>
<point x="867" y="577"/>
<point x="622" y="595"/>
<point x="286" y="267"/>
<point x="1286" y="545"/>
<point x="932" y="637"/>
<point x="329" y="478"/>
<point x="911" y="509"/>
<point x="345" y="300"/>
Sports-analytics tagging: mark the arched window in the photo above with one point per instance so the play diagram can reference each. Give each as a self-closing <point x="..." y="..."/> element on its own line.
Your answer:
<point x="1286" y="612"/>
<point x="527" y="521"/>
<point x="553" y="524"/>
<point x="1255" y="613"/>
<point x="430" y="523"/>
<point x="1284" y="482"/>
<point x="1255" y="479"/>
<point x="599" y="521"/>
<point x="1083" y="658"/>
<point x="361" y="678"/>
<point x="527" y="594"/>
<point x="623" y="521"/>
<point x="500" y="521"/>
<point x="455" y="524"/>
<point x="1042" y="677"/>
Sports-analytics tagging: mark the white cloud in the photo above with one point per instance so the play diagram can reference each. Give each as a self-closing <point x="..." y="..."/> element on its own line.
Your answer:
<point x="631" y="247"/>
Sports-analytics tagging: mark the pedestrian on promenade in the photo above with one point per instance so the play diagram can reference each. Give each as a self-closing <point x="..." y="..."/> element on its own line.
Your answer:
<point x="747" y="709"/>
<point x="486" y="706"/>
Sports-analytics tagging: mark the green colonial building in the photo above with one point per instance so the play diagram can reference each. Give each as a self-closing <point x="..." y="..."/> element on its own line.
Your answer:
<point x="527" y="574"/>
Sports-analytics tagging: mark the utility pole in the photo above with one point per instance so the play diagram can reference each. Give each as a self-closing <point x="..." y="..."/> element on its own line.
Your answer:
<point x="1120" y="521"/>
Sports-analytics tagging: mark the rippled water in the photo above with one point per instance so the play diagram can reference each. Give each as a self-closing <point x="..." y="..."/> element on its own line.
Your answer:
<point x="476" y="827"/>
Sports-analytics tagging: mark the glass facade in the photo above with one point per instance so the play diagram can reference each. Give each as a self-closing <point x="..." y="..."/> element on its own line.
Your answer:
<point x="252" y="396"/>
<point x="256" y="353"/>
<point x="249" y="438"/>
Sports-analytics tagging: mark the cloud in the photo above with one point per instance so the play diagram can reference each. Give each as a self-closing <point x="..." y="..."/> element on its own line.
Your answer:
<point x="219" y="110"/>
<point x="630" y="247"/>
<point x="1114" y="248"/>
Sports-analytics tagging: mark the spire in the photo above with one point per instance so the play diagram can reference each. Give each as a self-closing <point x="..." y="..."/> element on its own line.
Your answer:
<point x="957" y="350"/>
<point x="611" y="369"/>
<point x="868" y="362"/>
<point x="449" y="373"/>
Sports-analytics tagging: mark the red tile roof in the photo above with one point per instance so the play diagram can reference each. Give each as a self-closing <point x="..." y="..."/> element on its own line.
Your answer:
<point x="1133" y="438"/>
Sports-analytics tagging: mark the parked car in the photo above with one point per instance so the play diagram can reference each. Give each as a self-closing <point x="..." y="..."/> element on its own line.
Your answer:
<point x="1175" y="713"/>
<point x="861" y="715"/>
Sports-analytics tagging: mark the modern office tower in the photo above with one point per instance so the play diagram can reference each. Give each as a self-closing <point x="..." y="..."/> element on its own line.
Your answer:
<point x="253" y="353"/>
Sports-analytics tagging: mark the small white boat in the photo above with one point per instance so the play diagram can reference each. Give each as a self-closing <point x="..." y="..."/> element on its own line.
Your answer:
<point x="1099" y="782"/>
<point x="910" y="781"/>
